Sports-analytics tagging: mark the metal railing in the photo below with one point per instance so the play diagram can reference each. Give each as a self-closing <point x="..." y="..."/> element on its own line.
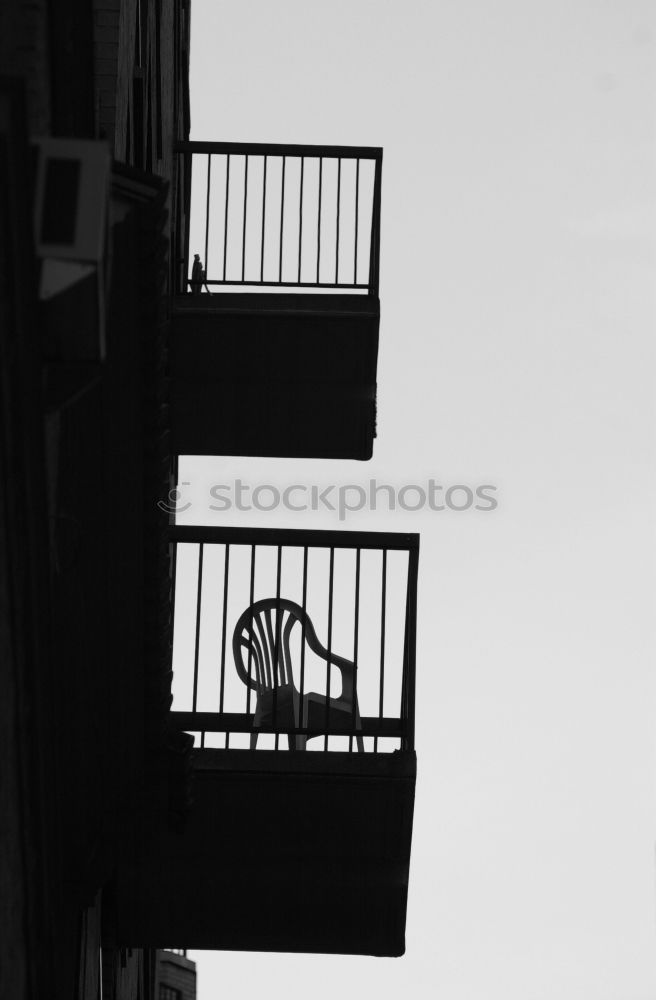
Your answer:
<point x="356" y="591"/>
<point x="282" y="217"/>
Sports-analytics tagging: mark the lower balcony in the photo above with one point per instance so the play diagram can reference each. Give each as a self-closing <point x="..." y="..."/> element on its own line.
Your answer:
<point x="294" y="659"/>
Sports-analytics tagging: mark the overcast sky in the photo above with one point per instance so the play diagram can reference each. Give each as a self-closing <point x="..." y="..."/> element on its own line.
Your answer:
<point x="516" y="349"/>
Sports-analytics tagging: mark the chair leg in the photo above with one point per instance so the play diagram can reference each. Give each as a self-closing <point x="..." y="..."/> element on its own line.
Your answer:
<point x="254" y="736"/>
<point x="358" y="739"/>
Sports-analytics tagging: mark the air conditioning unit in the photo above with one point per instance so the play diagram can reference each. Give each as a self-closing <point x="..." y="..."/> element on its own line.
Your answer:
<point x="70" y="232"/>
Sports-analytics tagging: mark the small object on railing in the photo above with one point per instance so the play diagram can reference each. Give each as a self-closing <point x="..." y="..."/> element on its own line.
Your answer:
<point x="197" y="275"/>
<point x="198" y="279"/>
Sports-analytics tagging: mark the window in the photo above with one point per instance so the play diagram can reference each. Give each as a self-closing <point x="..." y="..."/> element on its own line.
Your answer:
<point x="169" y="993"/>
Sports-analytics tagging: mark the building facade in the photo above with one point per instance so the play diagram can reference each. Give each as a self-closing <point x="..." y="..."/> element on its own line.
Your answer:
<point x="114" y="364"/>
<point x="93" y="97"/>
<point x="176" y="975"/>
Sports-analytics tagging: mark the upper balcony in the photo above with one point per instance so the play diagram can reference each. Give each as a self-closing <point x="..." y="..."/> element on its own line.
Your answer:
<point x="275" y="330"/>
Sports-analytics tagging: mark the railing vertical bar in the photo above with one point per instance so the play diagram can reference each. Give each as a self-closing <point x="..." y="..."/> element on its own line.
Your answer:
<point x="173" y="550"/>
<point x="357" y="219"/>
<point x="300" y="220"/>
<point x="282" y="215"/>
<point x="251" y="600"/>
<point x="383" y="607"/>
<point x="276" y="650"/>
<point x="339" y="190"/>
<point x="223" y="634"/>
<point x="304" y="605"/>
<point x="225" y="219"/>
<point x="411" y="627"/>
<point x="319" y="217"/>
<point x="264" y="180"/>
<point x="331" y="575"/>
<point x="243" y="234"/>
<point x="207" y="212"/>
<point x="356" y="638"/>
<point x="404" y="683"/>
<point x="374" y="252"/>
<point x="175" y="475"/>
<point x="194" y="701"/>
<point x="188" y="166"/>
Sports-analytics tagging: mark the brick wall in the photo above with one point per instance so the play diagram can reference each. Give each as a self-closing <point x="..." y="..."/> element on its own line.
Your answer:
<point x="106" y="18"/>
<point x="24" y="53"/>
<point x="124" y="71"/>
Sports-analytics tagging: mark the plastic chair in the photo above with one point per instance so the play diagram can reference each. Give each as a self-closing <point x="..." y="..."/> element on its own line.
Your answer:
<point x="262" y="634"/>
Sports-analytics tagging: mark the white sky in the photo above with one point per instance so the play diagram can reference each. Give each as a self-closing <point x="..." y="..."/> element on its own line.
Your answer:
<point x="517" y="348"/>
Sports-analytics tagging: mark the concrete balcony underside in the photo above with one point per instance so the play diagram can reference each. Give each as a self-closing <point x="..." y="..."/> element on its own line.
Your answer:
<point x="283" y="851"/>
<point x="274" y="374"/>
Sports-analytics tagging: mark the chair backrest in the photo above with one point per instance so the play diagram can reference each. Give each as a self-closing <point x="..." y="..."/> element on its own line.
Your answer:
<point x="260" y="645"/>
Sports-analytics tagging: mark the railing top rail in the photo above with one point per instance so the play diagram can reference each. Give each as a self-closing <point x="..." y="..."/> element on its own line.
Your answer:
<point x="281" y="149"/>
<point x="295" y="537"/>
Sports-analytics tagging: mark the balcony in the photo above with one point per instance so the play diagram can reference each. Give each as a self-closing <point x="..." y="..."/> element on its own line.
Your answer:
<point x="274" y="348"/>
<point x="294" y="660"/>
